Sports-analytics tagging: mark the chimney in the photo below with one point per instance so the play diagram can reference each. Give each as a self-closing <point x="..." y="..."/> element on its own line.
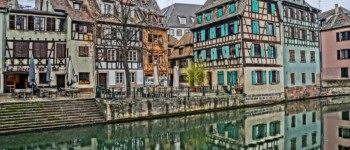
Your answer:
<point x="336" y="9"/>
<point x="336" y="5"/>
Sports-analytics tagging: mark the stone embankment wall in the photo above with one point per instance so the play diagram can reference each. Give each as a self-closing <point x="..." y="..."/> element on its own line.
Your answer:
<point x="152" y="108"/>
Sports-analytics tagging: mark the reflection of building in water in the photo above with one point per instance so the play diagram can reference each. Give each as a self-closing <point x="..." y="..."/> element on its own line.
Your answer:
<point x="303" y="125"/>
<point x="336" y="122"/>
<point x="258" y="128"/>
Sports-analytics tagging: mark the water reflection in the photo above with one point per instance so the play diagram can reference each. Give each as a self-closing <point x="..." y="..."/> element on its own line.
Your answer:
<point x="291" y="126"/>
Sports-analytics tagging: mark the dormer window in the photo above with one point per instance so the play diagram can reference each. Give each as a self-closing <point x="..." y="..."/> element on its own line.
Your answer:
<point x="76" y="6"/>
<point x="182" y="20"/>
<point x="107" y="9"/>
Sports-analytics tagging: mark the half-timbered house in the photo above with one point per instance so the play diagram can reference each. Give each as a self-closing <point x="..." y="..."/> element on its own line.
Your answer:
<point x="40" y="32"/>
<point x="181" y="57"/>
<point x="301" y="51"/>
<point x="80" y="44"/>
<point x="240" y="45"/>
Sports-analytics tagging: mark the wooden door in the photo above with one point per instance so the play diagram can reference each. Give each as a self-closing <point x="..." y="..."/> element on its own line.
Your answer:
<point x="209" y="79"/>
<point x="102" y="79"/>
<point x="61" y="81"/>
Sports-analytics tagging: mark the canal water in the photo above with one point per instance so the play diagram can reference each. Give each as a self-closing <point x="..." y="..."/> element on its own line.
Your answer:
<point x="307" y="125"/>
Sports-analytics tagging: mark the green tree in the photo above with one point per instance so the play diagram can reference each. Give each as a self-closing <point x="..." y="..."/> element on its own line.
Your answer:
<point x="196" y="74"/>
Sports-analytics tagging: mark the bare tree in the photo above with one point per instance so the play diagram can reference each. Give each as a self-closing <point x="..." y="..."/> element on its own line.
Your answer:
<point x="121" y="26"/>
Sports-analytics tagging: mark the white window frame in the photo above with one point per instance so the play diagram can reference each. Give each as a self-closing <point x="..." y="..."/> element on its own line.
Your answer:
<point x="107" y="9"/>
<point x="132" y="56"/>
<point x="39" y="23"/>
<point x="132" y="77"/>
<point x="183" y="20"/>
<point x="119" y="77"/>
<point x="76" y="6"/>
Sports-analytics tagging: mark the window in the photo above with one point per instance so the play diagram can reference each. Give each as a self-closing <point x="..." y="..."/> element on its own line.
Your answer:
<point x="83" y="29"/>
<point x="199" y="19"/>
<point x="208" y="16"/>
<point x="274" y="77"/>
<point x="232" y="8"/>
<point x="218" y="31"/>
<point x="293" y="122"/>
<point x="255" y="6"/>
<point x="344" y="73"/>
<point x="51" y="24"/>
<point x="314" y="136"/>
<point x="132" y="77"/>
<point x="83" y="51"/>
<point x="313" y="78"/>
<point x="259" y="131"/>
<point x="258" y="77"/>
<point x="181" y="51"/>
<point x="304" y="140"/>
<point x="343" y="54"/>
<point x="171" y="31"/>
<point x="343" y="36"/>
<point x="111" y="55"/>
<point x="31" y="23"/>
<point x="270" y="29"/>
<point x="257" y="50"/>
<point x="304" y="119"/>
<point x="312" y="17"/>
<point x="60" y="50"/>
<point x="42" y="78"/>
<point x="291" y="32"/>
<point x="302" y="57"/>
<point x="40" y="49"/>
<point x="341" y="147"/>
<point x="312" y="36"/>
<point x="344" y="133"/>
<point x="107" y="9"/>
<point x="303" y="78"/>
<point x="39" y="23"/>
<point x="182" y="78"/>
<point x="60" y="25"/>
<point x="84" y="78"/>
<point x="21" y="22"/>
<point x="183" y="63"/>
<point x="301" y="15"/>
<point x="292" y="78"/>
<point x="182" y="20"/>
<point x="291" y="56"/>
<point x="21" y="49"/>
<point x="302" y="34"/>
<point x="271" y="8"/>
<point x="76" y="6"/>
<point x="290" y="13"/>
<point x="220" y="13"/>
<point x="274" y="128"/>
<point x="220" y="78"/>
<point x="293" y="144"/>
<point x="313" y="116"/>
<point x="312" y="57"/>
<point x="119" y="77"/>
<point x="345" y="115"/>
<point x="150" y="59"/>
<point x="132" y="56"/>
<point x="12" y="22"/>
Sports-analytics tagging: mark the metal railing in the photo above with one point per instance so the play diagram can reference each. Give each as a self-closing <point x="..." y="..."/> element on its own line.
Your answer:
<point x="120" y="93"/>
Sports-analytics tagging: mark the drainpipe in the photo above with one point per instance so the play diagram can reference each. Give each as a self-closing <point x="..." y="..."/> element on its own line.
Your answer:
<point x="320" y="53"/>
<point x="4" y="69"/>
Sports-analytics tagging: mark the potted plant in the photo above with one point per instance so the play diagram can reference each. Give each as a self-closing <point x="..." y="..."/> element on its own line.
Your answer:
<point x="191" y="75"/>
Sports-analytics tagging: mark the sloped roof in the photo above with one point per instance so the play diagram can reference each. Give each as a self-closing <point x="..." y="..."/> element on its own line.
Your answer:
<point x="209" y="4"/>
<point x="186" y="40"/>
<point x="331" y="12"/>
<point x="172" y="41"/>
<point x="337" y="20"/>
<point x="82" y="15"/>
<point x="301" y="3"/>
<point x="173" y="12"/>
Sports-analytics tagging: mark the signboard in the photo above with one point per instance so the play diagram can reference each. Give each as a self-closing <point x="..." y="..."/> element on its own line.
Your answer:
<point x="26" y="69"/>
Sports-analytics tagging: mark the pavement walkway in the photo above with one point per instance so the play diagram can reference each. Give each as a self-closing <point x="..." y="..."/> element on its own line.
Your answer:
<point x="10" y="99"/>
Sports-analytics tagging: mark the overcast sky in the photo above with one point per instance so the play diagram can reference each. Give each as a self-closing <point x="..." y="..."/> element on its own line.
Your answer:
<point x="325" y="4"/>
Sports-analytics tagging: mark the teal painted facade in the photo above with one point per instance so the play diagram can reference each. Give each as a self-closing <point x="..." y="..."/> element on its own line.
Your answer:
<point x="300" y="32"/>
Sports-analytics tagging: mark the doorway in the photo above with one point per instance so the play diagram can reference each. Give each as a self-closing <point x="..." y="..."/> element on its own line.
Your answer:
<point x="61" y="81"/>
<point x="102" y="79"/>
<point x="209" y="79"/>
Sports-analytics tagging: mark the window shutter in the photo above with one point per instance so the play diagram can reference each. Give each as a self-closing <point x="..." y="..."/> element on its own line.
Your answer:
<point x="43" y="50"/>
<point x="195" y="37"/>
<point x="270" y="76"/>
<point x="195" y="55"/>
<point x="220" y="77"/>
<point x="235" y="133"/>
<point x="273" y="8"/>
<point x="229" y="80"/>
<point x="255" y="6"/>
<point x="271" y="128"/>
<point x="274" y="29"/>
<point x="278" y="77"/>
<point x="252" y="50"/>
<point x="278" y="126"/>
<point x="265" y="130"/>
<point x="233" y="8"/>
<point x="267" y="29"/>
<point x="262" y="48"/>
<point x="222" y="30"/>
<point x="226" y="29"/>
<point x="48" y="24"/>
<point x="204" y="55"/>
<point x="254" y="77"/>
<point x="264" y="77"/>
<point x="214" y="54"/>
<point x="255" y="27"/>
<point x="269" y="53"/>
<point x="203" y="35"/>
<point x="12" y="22"/>
<point x="208" y="16"/>
<point x="235" y="27"/>
<point x="234" y="77"/>
<point x="214" y="32"/>
<point x="275" y="52"/>
<point x="220" y="12"/>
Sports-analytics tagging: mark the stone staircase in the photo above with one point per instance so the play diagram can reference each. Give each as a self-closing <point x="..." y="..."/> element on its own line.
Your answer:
<point x="31" y="116"/>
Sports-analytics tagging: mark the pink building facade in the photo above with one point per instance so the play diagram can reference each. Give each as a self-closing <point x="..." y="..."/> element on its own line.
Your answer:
<point x="335" y="40"/>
